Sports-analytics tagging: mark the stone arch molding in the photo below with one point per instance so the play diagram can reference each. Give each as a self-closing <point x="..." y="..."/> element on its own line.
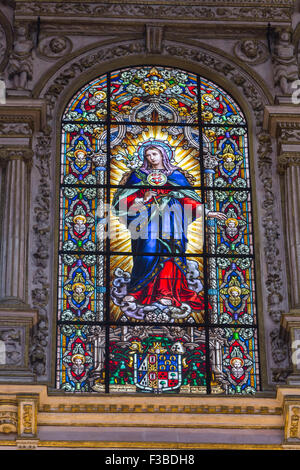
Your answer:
<point x="224" y="71"/>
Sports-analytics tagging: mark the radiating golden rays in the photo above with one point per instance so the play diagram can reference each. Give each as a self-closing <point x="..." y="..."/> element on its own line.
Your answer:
<point x="185" y="158"/>
<point x="120" y="241"/>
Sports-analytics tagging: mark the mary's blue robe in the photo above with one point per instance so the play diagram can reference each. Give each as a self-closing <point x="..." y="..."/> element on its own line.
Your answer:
<point x="159" y="230"/>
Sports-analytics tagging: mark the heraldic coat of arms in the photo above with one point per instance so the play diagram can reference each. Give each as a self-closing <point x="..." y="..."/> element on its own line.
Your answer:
<point x="158" y="369"/>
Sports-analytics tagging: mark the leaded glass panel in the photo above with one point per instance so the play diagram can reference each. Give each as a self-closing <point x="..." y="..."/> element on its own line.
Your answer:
<point x="156" y="269"/>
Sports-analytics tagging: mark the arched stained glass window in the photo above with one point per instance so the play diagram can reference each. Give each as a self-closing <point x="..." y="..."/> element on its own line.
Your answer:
<point x="156" y="282"/>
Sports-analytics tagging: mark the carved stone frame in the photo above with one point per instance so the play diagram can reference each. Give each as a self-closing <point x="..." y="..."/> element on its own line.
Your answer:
<point x="57" y="87"/>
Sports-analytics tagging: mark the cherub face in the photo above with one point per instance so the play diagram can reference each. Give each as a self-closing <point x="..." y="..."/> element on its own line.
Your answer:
<point x="234" y="293"/>
<point x="79" y="222"/>
<point x="231" y="227"/>
<point x="78" y="361"/>
<point x="250" y="48"/>
<point x="231" y="224"/>
<point x="210" y="100"/>
<point x="97" y="97"/>
<point x="80" y="156"/>
<point x="57" y="45"/>
<point x="78" y="290"/>
<point x="237" y="363"/>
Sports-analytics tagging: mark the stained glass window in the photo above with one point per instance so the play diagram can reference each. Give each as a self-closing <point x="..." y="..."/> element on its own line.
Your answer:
<point x="156" y="275"/>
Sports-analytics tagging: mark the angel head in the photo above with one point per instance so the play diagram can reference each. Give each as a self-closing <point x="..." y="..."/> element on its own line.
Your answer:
<point x="78" y="359"/>
<point x="228" y="161"/>
<point x="232" y="226"/>
<point x="80" y="157"/>
<point x="79" y="220"/>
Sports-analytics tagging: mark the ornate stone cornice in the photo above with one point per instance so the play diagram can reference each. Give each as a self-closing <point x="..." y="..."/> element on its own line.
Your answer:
<point x="276" y="116"/>
<point x="252" y="10"/>
<point x="27" y="110"/>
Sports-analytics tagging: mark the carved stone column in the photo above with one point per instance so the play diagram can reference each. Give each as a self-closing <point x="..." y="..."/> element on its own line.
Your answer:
<point x="14" y="256"/>
<point x="283" y="123"/>
<point x="289" y="166"/>
<point x="292" y="214"/>
<point x="20" y="119"/>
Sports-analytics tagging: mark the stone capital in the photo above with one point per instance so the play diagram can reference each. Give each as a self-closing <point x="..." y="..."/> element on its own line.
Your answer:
<point x="287" y="159"/>
<point x="15" y="153"/>
<point x="283" y="123"/>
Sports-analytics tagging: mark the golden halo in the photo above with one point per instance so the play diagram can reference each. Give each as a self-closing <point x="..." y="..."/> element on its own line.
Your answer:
<point x="234" y="358"/>
<point x="231" y="219"/>
<point x="78" y="356"/>
<point x="100" y="93"/>
<point x="228" y="155"/>
<point x="207" y="95"/>
<point x="80" y="150"/>
<point x="234" y="289"/>
<point x="79" y="217"/>
<point x="78" y="284"/>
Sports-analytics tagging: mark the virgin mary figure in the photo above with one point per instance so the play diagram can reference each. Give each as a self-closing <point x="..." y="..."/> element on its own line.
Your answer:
<point x="153" y="203"/>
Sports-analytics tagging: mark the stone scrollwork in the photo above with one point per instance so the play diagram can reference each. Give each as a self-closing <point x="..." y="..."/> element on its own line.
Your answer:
<point x="220" y="10"/>
<point x="41" y="230"/>
<point x="27" y="417"/>
<point x="271" y="226"/>
<point x="274" y="276"/>
<point x="294" y="424"/>
<point x="251" y="51"/>
<point x="80" y="65"/>
<point x="15" y="128"/>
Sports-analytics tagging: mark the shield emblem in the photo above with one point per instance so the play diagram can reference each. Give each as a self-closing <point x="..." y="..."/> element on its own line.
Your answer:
<point x="157" y="372"/>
